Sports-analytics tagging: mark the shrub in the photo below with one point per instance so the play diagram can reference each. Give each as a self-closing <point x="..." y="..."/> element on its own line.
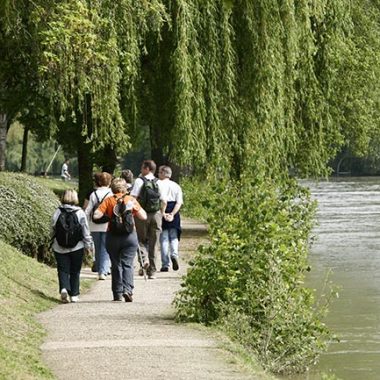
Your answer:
<point x="26" y="209"/>
<point x="250" y="278"/>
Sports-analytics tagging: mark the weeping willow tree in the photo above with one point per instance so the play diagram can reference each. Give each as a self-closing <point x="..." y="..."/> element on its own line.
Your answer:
<point x="237" y="89"/>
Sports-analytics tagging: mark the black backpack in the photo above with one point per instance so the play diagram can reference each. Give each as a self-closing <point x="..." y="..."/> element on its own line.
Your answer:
<point x="105" y="218"/>
<point x="68" y="230"/>
<point x="149" y="197"/>
<point x="121" y="222"/>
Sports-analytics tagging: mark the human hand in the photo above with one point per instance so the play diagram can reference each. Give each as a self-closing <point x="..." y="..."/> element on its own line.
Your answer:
<point x="169" y="217"/>
<point x="89" y="251"/>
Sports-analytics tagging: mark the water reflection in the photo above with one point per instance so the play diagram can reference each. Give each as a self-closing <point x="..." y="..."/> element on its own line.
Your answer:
<point x="348" y="242"/>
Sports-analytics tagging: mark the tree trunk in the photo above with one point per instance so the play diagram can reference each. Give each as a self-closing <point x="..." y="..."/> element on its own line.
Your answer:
<point x="84" y="170"/>
<point x="3" y="139"/>
<point x="24" y="149"/>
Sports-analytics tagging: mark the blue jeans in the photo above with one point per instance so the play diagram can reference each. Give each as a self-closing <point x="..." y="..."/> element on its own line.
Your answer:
<point x="102" y="259"/>
<point x="122" y="250"/>
<point x="169" y="246"/>
<point x="69" y="266"/>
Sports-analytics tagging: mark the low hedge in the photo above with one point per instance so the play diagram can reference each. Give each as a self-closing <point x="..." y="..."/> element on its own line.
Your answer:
<point x="26" y="208"/>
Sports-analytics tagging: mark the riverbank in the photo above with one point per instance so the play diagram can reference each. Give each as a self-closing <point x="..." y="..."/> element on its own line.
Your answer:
<point x="98" y="337"/>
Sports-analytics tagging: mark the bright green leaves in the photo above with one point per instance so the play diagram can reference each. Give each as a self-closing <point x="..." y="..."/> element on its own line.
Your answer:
<point x="249" y="279"/>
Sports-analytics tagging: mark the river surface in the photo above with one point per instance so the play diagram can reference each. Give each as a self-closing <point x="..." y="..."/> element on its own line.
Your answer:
<point x="348" y="243"/>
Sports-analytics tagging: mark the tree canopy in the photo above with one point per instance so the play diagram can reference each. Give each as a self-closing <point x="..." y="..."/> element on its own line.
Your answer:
<point x="231" y="85"/>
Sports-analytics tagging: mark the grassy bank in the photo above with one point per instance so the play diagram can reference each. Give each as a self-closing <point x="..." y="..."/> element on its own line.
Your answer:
<point x="26" y="288"/>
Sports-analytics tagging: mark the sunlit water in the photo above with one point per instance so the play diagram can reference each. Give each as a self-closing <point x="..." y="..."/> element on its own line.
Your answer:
<point x="348" y="243"/>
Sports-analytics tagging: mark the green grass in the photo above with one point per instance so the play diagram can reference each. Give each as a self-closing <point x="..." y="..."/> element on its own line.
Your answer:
<point x="26" y="288"/>
<point x="56" y="184"/>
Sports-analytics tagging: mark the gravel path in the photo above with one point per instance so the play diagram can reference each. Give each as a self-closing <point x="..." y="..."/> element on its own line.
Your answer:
<point x="98" y="338"/>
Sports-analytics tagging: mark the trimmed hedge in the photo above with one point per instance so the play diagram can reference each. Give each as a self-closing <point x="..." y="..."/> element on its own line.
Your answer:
<point x="26" y="208"/>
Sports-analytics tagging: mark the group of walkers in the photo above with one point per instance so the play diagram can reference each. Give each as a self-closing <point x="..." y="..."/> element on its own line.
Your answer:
<point x="119" y="219"/>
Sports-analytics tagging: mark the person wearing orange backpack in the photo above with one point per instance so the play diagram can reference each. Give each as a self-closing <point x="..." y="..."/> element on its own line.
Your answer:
<point x="121" y="238"/>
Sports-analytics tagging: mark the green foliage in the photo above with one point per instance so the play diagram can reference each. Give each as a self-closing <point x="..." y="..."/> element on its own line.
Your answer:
<point x="39" y="153"/>
<point x="26" y="209"/>
<point x="26" y="288"/>
<point x="249" y="279"/>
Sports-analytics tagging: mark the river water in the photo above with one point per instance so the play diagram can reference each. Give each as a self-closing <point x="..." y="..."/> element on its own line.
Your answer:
<point x="348" y="243"/>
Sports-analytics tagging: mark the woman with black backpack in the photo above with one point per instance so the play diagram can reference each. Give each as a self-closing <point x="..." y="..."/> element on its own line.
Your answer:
<point x="71" y="238"/>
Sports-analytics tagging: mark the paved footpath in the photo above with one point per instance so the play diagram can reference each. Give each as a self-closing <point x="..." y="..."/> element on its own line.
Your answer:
<point x="98" y="338"/>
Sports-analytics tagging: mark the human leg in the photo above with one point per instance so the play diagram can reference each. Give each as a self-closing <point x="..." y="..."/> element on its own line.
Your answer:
<point x="127" y="257"/>
<point x="63" y="269"/>
<point x="96" y="238"/>
<point x="113" y="248"/>
<point x="154" y="231"/>
<point x="164" y="243"/>
<point x="142" y="229"/>
<point x="76" y="259"/>
<point x="173" y="242"/>
<point x="103" y="256"/>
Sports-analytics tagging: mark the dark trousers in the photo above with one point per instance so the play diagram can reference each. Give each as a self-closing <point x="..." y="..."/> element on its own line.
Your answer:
<point x="122" y="250"/>
<point x="68" y="267"/>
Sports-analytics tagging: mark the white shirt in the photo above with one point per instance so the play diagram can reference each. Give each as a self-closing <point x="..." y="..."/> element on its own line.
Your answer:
<point x="171" y="191"/>
<point x="137" y="186"/>
<point x="64" y="170"/>
<point x="100" y="192"/>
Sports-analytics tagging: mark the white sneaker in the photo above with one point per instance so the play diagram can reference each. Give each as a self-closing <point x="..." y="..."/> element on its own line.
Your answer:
<point x="74" y="299"/>
<point x="102" y="277"/>
<point x="64" y="296"/>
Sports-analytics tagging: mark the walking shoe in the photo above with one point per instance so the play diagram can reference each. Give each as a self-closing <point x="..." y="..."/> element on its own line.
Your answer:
<point x="93" y="267"/>
<point x="118" y="297"/>
<point x="151" y="277"/>
<point x="141" y="272"/>
<point x="127" y="297"/>
<point x="102" y="277"/>
<point x="74" y="299"/>
<point x="164" y="270"/>
<point x="174" y="263"/>
<point x="64" y="296"/>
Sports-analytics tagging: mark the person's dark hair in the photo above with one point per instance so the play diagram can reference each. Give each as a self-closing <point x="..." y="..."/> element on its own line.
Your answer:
<point x="127" y="175"/>
<point x="97" y="178"/>
<point x="104" y="179"/>
<point x="150" y="164"/>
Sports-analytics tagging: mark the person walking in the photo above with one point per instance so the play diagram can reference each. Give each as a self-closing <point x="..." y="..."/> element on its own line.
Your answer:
<point x="146" y="190"/>
<point x="121" y="245"/>
<point x="98" y="229"/>
<point x="65" y="175"/>
<point x="71" y="239"/>
<point x="128" y="176"/>
<point x="171" y="221"/>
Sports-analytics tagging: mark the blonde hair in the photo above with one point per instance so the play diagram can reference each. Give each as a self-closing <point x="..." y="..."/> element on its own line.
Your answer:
<point x="118" y="185"/>
<point x="70" y="197"/>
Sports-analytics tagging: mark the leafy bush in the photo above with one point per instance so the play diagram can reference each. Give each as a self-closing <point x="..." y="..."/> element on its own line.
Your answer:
<point x="26" y="208"/>
<point x="249" y="279"/>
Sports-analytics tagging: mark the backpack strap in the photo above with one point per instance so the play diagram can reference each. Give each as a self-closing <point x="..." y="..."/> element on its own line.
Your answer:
<point x="96" y="195"/>
<point x="97" y="198"/>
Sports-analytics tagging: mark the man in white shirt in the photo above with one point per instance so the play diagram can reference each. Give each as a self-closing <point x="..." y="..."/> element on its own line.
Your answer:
<point x="171" y="222"/>
<point x="147" y="190"/>
<point x="65" y="175"/>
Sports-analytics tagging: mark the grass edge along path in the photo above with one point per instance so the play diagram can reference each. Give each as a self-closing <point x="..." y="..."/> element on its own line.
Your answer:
<point x="27" y="287"/>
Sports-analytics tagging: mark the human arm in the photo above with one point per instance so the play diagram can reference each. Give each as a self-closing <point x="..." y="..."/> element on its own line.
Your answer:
<point x="136" y="189"/>
<point x="87" y="237"/>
